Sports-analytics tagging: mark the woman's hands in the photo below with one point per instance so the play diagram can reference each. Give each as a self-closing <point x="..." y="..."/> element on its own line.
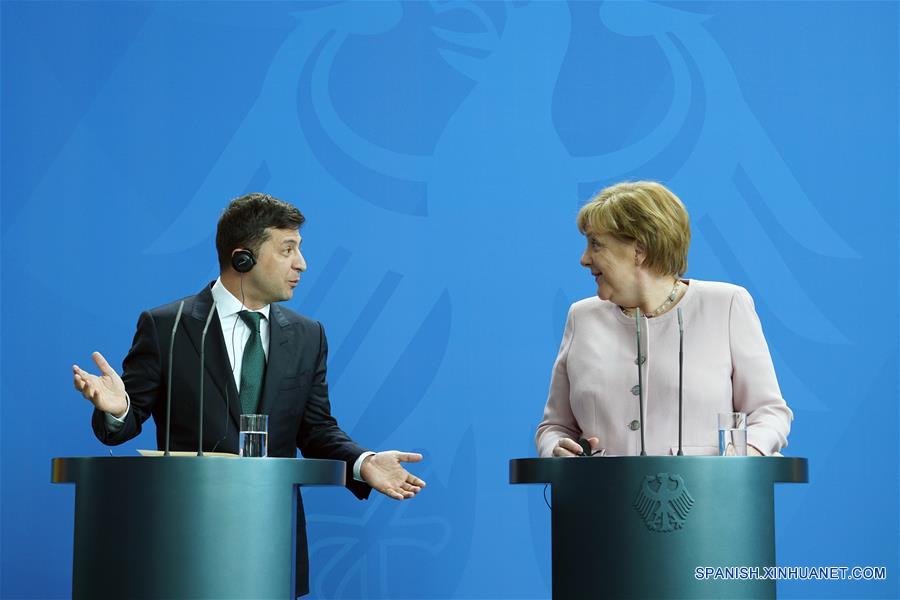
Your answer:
<point x="569" y="447"/>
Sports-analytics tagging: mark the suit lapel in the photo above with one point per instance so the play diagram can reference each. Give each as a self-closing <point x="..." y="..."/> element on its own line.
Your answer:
<point x="217" y="365"/>
<point x="281" y="356"/>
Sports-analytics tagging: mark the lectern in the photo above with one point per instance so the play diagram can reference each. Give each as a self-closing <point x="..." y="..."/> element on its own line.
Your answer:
<point x="187" y="527"/>
<point x="640" y="526"/>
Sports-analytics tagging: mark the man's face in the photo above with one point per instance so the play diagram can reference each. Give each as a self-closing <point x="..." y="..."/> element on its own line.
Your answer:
<point x="278" y="267"/>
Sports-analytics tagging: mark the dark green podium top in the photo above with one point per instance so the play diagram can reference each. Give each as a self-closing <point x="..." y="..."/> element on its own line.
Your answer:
<point x="641" y="526"/>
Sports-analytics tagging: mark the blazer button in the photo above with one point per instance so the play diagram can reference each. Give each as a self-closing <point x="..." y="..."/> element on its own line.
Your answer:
<point x="634" y="425"/>
<point x="641" y="360"/>
<point x="636" y="390"/>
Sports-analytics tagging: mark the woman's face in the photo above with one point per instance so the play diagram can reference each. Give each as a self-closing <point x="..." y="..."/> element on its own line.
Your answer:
<point x="614" y="265"/>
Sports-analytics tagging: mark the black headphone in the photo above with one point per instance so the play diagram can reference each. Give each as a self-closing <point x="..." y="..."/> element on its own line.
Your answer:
<point x="242" y="261"/>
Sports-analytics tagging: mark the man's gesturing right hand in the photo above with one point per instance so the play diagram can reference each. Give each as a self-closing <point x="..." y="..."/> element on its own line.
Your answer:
<point x="106" y="391"/>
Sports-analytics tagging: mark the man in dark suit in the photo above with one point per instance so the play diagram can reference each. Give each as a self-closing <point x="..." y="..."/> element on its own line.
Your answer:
<point x="260" y="359"/>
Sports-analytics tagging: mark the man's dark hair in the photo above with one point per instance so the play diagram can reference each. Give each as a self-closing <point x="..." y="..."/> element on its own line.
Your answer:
<point x="244" y="222"/>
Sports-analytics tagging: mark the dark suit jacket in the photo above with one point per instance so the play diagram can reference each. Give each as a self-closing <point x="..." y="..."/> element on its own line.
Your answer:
<point x="295" y="393"/>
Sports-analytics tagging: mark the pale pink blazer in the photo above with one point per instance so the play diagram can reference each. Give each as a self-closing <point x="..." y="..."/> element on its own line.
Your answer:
<point x="727" y="367"/>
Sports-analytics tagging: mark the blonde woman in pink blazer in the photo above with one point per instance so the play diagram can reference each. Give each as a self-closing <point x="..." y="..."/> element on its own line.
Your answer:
<point x="638" y="236"/>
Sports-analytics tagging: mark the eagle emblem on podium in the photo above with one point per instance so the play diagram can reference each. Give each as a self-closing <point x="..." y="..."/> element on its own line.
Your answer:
<point x="663" y="502"/>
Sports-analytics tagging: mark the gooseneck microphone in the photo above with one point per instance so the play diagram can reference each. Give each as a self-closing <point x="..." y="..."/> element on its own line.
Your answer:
<point x="637" y="322"/>
<point x="680" y="379"/>
<point x="169" y="392"/>
<point x="209" y="317"/>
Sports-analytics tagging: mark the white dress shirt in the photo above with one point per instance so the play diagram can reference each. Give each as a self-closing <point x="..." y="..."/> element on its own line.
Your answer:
<point x="234" y="330"/>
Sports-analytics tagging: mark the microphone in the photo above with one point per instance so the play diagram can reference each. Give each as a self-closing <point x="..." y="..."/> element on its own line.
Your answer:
<point x="585" y="447"/>
<point x="680" y="379"/>
<point x="212" y="310"/>
<point x="637" y="322"/>
<point x="169" y="392"/>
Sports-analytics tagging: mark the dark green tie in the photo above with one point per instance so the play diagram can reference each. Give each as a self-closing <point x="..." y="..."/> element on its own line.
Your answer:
<point x="253" y="366"/>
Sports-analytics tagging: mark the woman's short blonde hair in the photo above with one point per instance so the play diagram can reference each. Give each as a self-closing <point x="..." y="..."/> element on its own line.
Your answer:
<point x="647" y="212"/>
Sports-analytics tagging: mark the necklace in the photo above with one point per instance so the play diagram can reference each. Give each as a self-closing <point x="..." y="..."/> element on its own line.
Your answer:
<point x="670" y="299"/>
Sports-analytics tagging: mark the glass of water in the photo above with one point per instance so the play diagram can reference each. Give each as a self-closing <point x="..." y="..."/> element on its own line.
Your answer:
<point x="732" y="434"/>
<point x="254" y="436"/>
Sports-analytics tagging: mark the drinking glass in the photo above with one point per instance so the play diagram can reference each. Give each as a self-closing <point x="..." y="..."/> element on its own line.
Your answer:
<point x="732" y="434"/>
<point x="254" y="435"/>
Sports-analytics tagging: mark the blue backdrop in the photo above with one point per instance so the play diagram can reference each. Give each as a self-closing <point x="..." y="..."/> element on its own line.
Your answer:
<point x="440" y="152"/>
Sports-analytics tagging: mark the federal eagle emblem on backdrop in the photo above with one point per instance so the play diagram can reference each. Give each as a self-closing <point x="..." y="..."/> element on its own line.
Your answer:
<point x="663" y="502"/>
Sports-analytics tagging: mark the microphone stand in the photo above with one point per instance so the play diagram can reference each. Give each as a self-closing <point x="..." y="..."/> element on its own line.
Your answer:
<point x="169" y="392"/>
<point x="637" y="322"/>
<point x="202" y="377"/>
<point x="680" y="380"/>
